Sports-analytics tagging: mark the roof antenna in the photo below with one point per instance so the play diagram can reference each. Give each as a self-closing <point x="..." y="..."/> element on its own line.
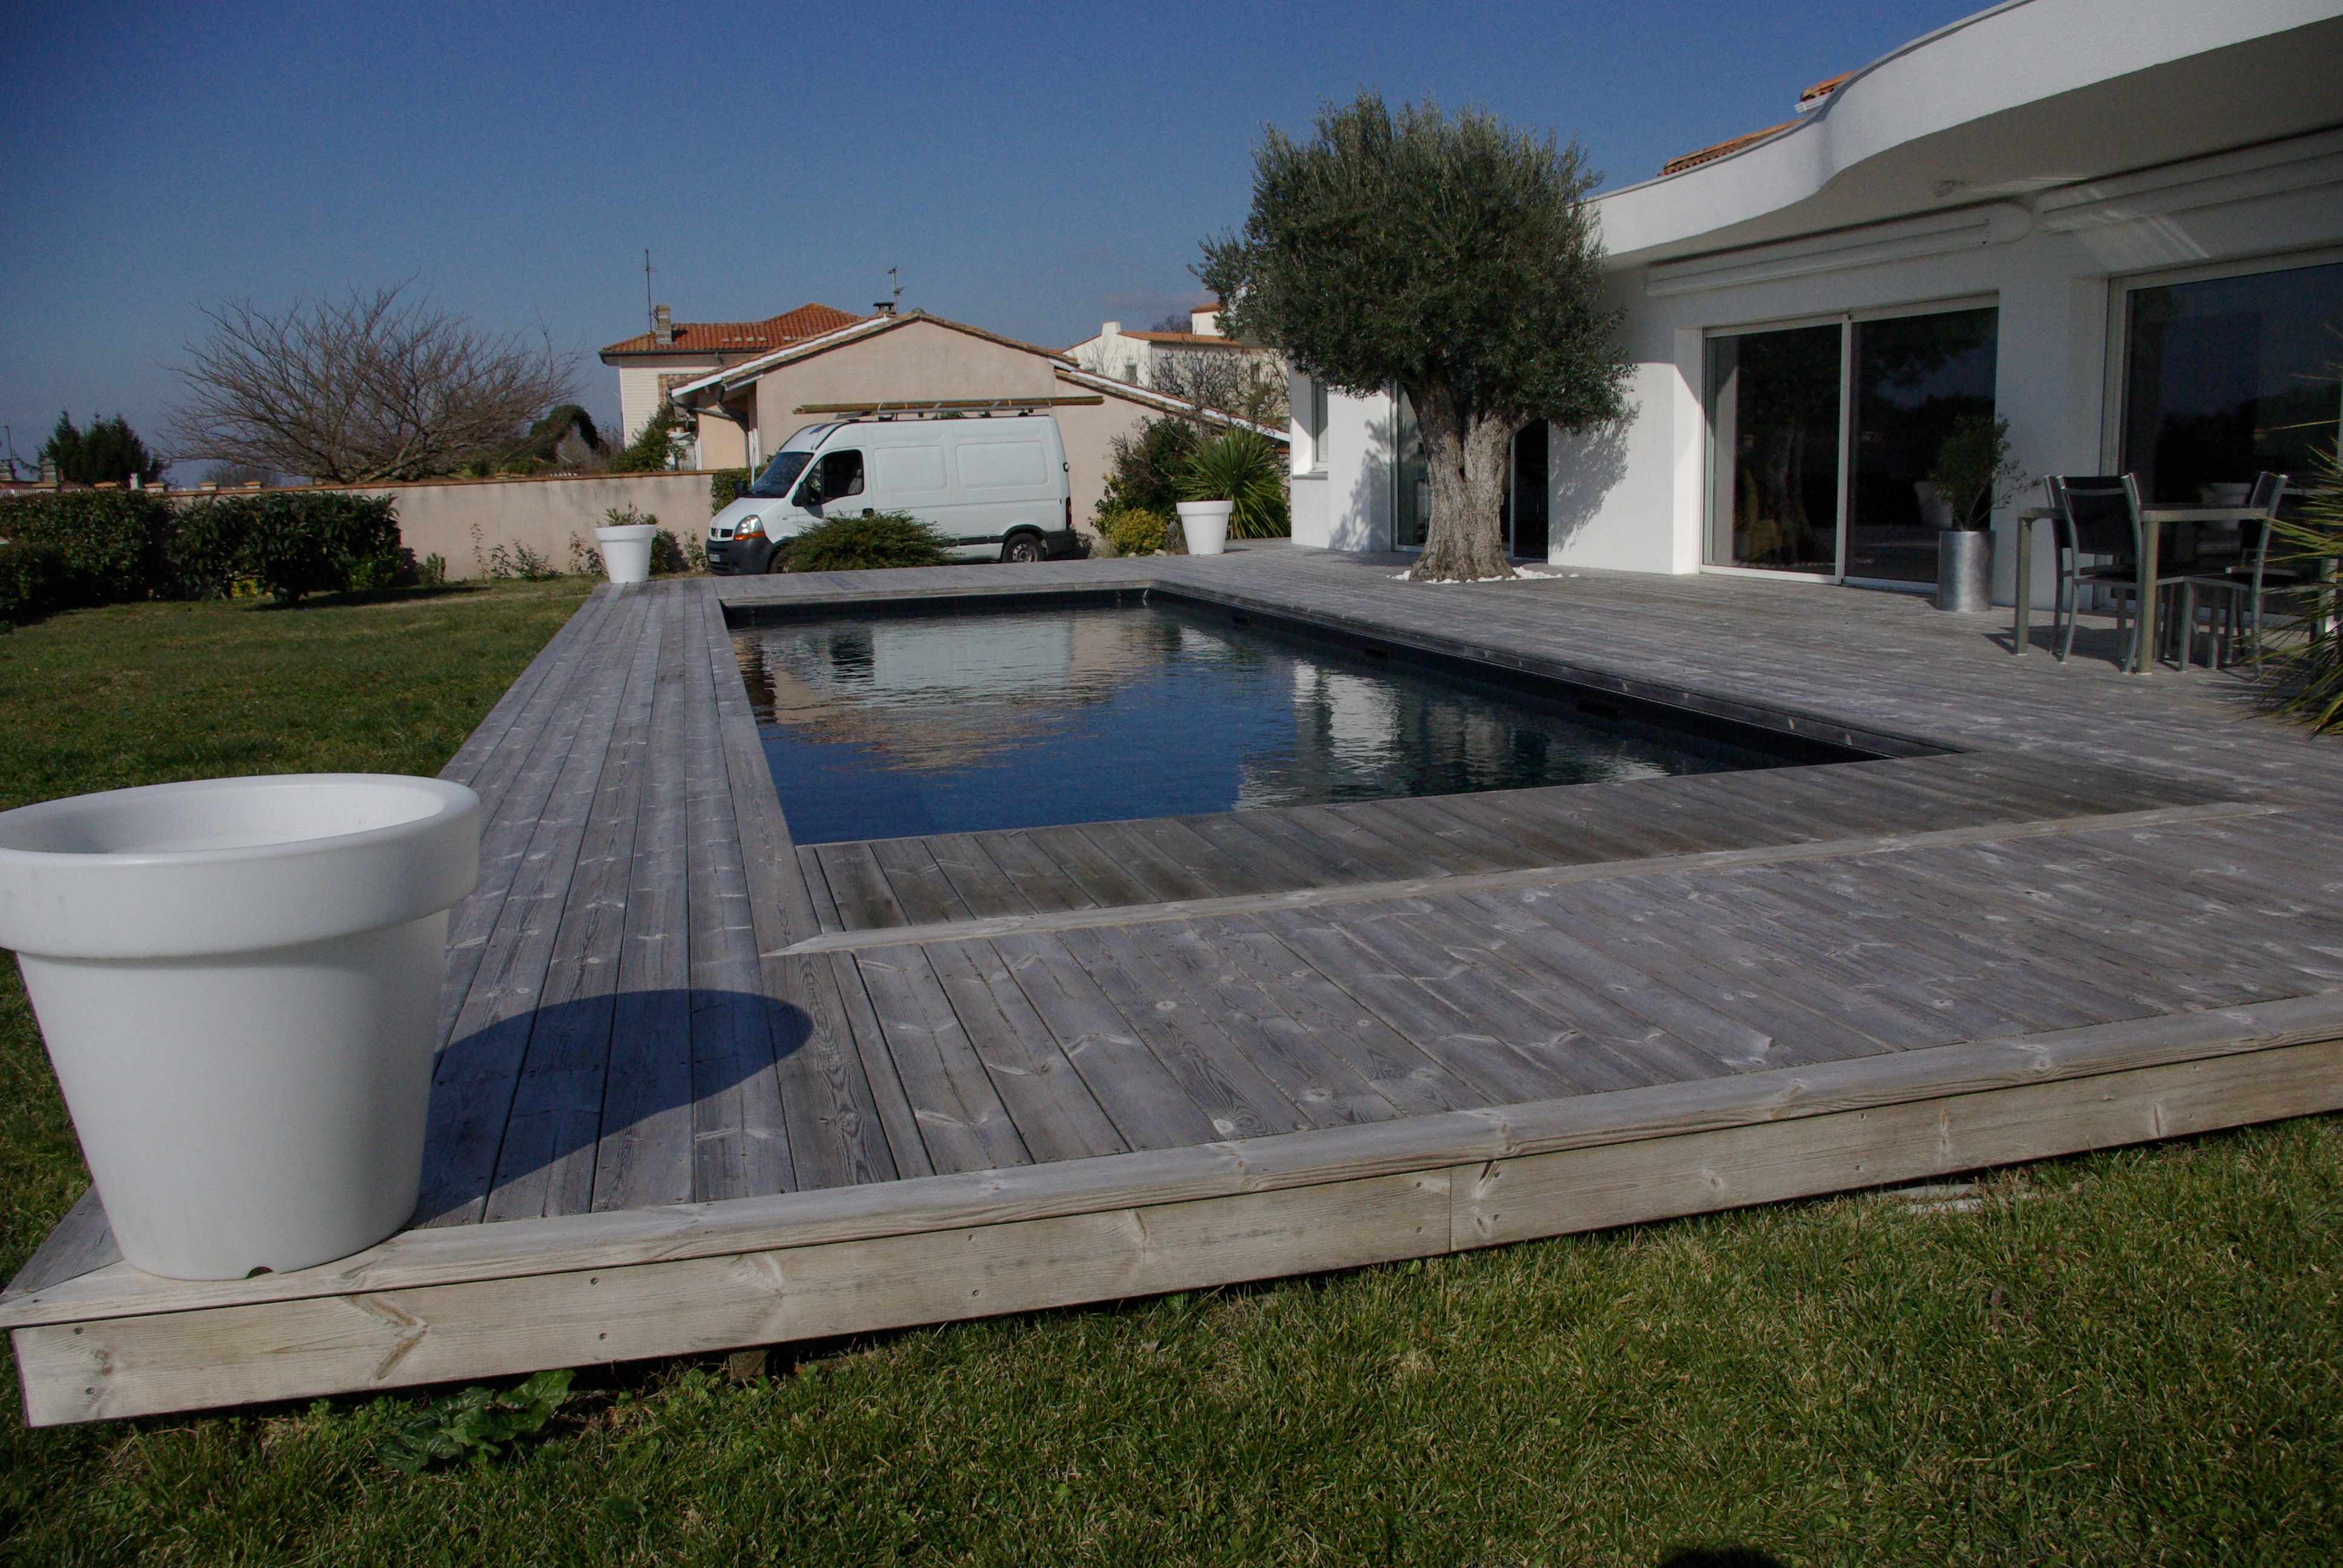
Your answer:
<point x="650" y="311"/>
<point x="897" y="274"/>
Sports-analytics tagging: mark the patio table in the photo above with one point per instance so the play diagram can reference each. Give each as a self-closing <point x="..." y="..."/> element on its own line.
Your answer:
<point x="2156" y="520"/>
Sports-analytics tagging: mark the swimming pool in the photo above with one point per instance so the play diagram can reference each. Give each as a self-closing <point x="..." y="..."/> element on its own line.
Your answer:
<point x="897" y="725"/>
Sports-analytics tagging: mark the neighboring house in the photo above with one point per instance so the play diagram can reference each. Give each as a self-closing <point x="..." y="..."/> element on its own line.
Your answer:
<point x="2117" y="225"/>
<point x="1137" y="358"/>
<point x="673" y="352"/>
<point x="744" y="412"/>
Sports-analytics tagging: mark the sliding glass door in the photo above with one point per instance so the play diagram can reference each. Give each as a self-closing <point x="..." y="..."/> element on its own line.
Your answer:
<point x="1774" y="449"/>
<point x="1820" y="438"/>
<point x="2227" y="377"/>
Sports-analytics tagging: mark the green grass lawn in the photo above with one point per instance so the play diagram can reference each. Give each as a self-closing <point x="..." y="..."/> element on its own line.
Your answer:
<point x="2130" y="1358"/>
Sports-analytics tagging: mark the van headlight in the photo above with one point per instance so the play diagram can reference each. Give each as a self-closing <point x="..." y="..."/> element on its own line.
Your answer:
<point x="748" y="526"/>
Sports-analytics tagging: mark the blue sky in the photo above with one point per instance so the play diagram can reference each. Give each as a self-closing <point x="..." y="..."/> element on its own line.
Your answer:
<point x="1032" y="169"/>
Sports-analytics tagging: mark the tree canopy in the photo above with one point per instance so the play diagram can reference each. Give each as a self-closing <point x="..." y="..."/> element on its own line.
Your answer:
<point x="108" y="453"/>
<point x="370" y="389"/>
<point x="1454" y="259"/>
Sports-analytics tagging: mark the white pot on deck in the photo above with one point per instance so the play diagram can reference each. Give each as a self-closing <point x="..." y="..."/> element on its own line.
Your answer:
<point x="626" y="551"/>
<point x="1206" y="524"/>
<point x="238" y="980"/>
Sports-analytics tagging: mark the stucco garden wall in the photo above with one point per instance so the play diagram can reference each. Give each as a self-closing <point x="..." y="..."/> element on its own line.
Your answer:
<point x="461" y="520"/>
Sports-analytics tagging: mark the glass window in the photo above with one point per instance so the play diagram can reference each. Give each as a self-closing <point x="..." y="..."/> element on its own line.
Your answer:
<point x="1774" y="446"/>
<point x="838" y="476"/>
<point x="1915" y="378"/>
<point x="1411" y="482"/>
<point x="779" y="475"/>
<point x="1316" y="419"/>
<point x="2231" y="376"/>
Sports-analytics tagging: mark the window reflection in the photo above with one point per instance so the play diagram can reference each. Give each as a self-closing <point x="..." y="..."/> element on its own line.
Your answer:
<point x="1773" y="409"/>
<point x="1915" y="378"/>
<point x="2231" y="376"/>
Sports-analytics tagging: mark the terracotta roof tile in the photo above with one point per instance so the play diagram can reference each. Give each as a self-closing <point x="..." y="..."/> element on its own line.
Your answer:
<point x="740" y="337"/>
<point x="1709" y="155"/>
<point x="1187" y="339"/>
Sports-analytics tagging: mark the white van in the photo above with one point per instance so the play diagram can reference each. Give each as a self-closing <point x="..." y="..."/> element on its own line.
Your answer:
<point x="994" y="485"/>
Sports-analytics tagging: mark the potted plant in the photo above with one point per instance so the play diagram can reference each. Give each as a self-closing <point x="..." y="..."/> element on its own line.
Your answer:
<point x="625" y="542"/>
<point x="238" y="980"/>
<point x="1231" y="486"/>
<point x="1973" y="476"/>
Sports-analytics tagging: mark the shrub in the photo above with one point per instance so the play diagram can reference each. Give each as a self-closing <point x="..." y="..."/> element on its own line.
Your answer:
<point x="76" y="547"/>
<point x="1147" y="468"/>
<point x="506" y="562"/>
<point x="669" y="557"/>
<point x="724" y="488"/>
<point x="1244" y="468"/>
<point x="657" y="445"/>
<point x="292" y="543"/>
<point x="870" y="542"/>
<point x="1133" y="531"/>
<point x="2304" y="668"/>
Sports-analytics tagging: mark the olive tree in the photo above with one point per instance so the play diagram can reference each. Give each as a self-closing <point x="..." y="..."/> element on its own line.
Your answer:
<point x="1455" y="259"/>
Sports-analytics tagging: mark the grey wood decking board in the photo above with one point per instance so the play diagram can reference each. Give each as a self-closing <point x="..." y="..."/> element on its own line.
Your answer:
<point x="1332" y="825"/>
<point x="1314" y="1079"/>
<point x="1276" y="862"/>
<point x="1228" y="1090"/>
<point x="859" y="888"/>
<point x="825" y="906"/>
<point x="1795" y="1033"/>
<point x="474" y="1080"/>
<point x="923" y="891"/>
<point x="840" y="1097"/>
<point x="976" y="876"/>
<point x="1398" y="1069"/>
<point x="1139" y="856"/>
<point x="1199" y="854"/>
<point x="1035" y="875"/>
<point x="959" y="1115"/>
<point x="642" y="1158"/>
<point x="1053" y="1106"/>
<point x="81" y="1243"/>
<point x="1447" y="1036"/>
<point x="1429" y="835"/>
<point x="1104" y="883"/>
<point x="545" y="1165"/>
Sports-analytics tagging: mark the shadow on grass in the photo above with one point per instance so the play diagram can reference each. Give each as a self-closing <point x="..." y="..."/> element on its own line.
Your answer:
<point x="564" y="1080"/>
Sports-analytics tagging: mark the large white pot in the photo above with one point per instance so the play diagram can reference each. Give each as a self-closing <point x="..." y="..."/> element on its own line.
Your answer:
<point x="1206" y="524"/>
<point x="626" y="551"/>
<point x="238" y="980"/>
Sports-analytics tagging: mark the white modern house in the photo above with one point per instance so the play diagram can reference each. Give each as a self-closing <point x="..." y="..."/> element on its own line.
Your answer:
<point x="1135" y="356"/>
<point x="2116" y="222"/>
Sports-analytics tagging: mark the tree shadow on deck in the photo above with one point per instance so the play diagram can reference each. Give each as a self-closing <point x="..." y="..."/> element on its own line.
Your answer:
<point x="609" y="1100"/>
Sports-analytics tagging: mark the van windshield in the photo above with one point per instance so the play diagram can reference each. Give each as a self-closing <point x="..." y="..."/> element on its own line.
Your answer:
<point x="780" y="474"/>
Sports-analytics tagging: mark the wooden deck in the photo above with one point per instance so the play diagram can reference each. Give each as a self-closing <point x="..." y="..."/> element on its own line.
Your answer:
<point x="700" y="1088"/>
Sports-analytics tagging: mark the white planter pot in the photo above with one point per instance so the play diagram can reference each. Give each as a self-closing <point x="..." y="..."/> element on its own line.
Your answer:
<point x="1206" y="524"/>
<point x="238" y="980"/>
<point x="625" y="552"/>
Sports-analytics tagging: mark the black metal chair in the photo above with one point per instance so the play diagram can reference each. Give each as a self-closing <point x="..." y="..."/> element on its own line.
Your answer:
<point x="2097" y="516"/>
<point x="2245" y="583"/>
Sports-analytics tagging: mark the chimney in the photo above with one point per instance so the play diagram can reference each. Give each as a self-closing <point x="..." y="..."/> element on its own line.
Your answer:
<point x="1206" y="323"/>
<point x="663" y="326"/>
<point x="884" y="306"/>
<point x="1109" y="329"/>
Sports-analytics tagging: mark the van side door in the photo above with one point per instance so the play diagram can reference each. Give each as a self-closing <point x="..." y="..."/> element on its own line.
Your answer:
<point x="835" y="479"/>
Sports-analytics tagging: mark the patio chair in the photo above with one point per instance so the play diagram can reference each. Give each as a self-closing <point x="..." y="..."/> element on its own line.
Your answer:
<point x="2097" y="516"/>
<point x="2246" y="583"/>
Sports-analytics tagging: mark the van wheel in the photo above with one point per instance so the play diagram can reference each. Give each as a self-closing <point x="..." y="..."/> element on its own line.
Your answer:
<point x="1022" y="548"/>
<point x="773" y="563"/>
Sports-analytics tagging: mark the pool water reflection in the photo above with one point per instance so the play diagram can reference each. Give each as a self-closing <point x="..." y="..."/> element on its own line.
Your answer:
<point x="901" y="726"/>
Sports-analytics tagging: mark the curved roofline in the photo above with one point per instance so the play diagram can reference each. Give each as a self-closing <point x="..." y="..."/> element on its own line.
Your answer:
<point x="1995" y="62"/>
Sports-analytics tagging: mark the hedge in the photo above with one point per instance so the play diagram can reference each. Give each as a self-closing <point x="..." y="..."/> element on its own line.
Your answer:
<point x="74" y="548"/>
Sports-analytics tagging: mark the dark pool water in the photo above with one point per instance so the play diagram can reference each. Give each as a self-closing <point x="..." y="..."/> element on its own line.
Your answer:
<point x="889" y="727"/>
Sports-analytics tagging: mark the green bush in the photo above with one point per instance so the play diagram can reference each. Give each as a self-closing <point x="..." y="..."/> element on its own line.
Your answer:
<point x="656" y="447"/>
<point x="1244" y="468"/>
<point x="1134" y="532"/>
<point x="292" y="543"/>
<point x="76" y="547"/>
<point x="1147" y="468"/>
<point x="2303" y="672"/>
<point x="724" y="488"/>
<point x="870" y="542"/>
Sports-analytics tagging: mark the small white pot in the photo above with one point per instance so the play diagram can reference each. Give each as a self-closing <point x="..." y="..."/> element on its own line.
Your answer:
<point x="1206" y="524"/>
<point x="238" y="980"/>
<point x="626" y="552"/>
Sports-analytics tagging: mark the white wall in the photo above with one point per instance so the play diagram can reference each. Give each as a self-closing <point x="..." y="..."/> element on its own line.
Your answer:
<point x="1632" y="498"/>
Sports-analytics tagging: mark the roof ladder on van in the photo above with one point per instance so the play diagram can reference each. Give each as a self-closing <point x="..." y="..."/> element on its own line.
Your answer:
<point x="982" y="408"/>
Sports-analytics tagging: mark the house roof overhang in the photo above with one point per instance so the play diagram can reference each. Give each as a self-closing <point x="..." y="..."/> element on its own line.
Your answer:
<point x="2020" y="99"/>
<point x="713" y="388"/>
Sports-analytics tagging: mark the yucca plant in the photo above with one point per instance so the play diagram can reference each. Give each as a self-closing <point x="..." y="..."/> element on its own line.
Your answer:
<point x="2303" y="672"/>
<point x="870" y="542"/>
<point x="1245" y="469"/>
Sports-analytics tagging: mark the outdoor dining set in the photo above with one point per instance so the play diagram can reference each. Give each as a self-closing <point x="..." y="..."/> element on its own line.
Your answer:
<point x="2172" y="571"/>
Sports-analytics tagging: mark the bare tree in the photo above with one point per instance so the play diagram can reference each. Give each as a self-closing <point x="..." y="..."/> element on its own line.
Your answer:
<point x="367" y="389"/>
<point x="1246" y="386"/>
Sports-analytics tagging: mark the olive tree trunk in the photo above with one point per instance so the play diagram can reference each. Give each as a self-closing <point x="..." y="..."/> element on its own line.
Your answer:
<point x="1464" y="454"/>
